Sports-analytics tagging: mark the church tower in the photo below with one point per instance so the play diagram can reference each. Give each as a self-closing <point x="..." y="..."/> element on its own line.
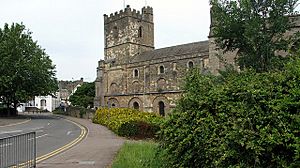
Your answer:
<point x="128" y="33"/>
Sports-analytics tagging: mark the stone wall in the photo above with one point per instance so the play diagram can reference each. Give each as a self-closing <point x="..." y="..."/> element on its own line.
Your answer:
<point x="75" y="112"/>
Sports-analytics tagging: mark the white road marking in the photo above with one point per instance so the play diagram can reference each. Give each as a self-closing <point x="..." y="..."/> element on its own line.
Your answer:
<point x="38" y="137"/>
<point x="41" y="136"/>
<point x="48" y="123"/>
<point x="8" y="132"/>
<point x="69" y="132"/>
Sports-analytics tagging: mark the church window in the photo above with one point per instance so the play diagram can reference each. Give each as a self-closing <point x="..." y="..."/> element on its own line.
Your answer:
<point x="113" y="88"/>
<point x="136" y="105"/>
<point x="161" y="108"/>
<point x="140" y="34"/>
<point x="136" y="73"/>
<point x="190" y="64"/>
<point x="161" y="84"/>
<point x="161" y="69"/>
<point x="115" y="32"/>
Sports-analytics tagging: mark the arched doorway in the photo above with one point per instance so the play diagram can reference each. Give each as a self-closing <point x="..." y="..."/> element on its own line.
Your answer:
<point x="43" y="104"/>
<point x="136" y="105"/>
<point x="161" y="107"/>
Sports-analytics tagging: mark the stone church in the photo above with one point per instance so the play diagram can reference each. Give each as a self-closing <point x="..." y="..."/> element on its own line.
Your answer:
<point x="136" y="75"/>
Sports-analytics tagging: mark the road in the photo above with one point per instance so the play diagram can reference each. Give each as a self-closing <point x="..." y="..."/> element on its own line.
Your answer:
<point x="51" y="132"/>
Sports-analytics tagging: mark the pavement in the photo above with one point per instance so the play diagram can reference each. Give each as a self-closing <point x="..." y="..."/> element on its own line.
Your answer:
<point x="97" y="150"/>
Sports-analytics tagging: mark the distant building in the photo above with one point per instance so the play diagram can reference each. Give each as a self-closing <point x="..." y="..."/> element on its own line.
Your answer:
<point x="48" y="103"/>
<point x="67" y="88"/>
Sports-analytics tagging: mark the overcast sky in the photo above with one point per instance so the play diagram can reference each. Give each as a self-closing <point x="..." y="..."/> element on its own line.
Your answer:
<point x="71" y="31"/>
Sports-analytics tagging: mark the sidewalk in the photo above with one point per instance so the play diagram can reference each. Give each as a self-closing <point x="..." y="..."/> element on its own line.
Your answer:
<point x="96" y="150"/>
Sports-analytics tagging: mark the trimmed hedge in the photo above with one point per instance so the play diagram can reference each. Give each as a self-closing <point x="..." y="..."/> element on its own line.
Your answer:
<point x="129" y="122"/>
<point x="244" y="119"/>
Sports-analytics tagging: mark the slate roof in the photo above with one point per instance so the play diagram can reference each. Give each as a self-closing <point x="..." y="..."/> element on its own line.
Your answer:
<point x="190" y="48"/>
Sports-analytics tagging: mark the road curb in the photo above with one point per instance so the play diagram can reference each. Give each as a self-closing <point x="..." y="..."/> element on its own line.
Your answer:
<point x="83" y="134"/>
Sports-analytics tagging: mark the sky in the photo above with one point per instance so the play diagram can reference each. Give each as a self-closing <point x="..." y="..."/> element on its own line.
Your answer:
<point x="72" y="31"/>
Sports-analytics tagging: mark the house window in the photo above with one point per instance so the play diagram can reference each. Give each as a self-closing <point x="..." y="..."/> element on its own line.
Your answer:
<point x="161" y="69"/>
<point x="136" y="73"/>
<point x="190" y="64"/>
<point x="140" y="32"/>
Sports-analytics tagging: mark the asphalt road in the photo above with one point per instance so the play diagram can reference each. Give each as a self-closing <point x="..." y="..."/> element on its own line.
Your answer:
<point x="51" y="132"/>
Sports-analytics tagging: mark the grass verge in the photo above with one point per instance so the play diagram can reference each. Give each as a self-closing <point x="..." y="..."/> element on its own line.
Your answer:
<point x="142" y="154"/>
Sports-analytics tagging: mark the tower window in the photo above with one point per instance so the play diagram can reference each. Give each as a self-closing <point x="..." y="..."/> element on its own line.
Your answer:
<point x="140" y="34"/>
<point x="135" y="73"/>
<point x="115" y="32"/>
<point x="190" y="64"/>
<point x="161" y="69"/>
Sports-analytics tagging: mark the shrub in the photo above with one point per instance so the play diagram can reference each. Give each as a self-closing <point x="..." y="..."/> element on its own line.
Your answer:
<point x="128" y="122"/>
<point x="242" y="119"/>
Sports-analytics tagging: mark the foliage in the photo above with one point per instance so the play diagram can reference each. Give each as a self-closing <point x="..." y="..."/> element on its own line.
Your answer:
<point x="256" y="29"/>
<point x="25" y="69"/>
<point x="138" y="154"/>
<point x="82" y="112"/>
<point x="128" y="122"/>
<point x="84" y="95"/>
<point x="245" y="119"/>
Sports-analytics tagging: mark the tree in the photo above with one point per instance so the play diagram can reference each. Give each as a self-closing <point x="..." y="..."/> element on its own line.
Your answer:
<point x="256" y="29"/>
<point x="84" y="95"/>
<point x="25" y="69"/>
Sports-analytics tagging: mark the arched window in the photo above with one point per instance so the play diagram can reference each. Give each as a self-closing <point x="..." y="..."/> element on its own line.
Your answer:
<point x="161" y="69"/>
<point x="190" y="64"/>
<point x="113" y="105"/>
<point x="136" y="73"/>
<point x="113" y="88"/>
<point x="161" y="107"/>
<point x="140" y="32"/>
<point x="136" y="87"/>
<point x="136" y="105"/>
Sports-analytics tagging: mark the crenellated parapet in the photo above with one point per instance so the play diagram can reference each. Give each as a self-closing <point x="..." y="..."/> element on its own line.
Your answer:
<point x="145" y="15"/>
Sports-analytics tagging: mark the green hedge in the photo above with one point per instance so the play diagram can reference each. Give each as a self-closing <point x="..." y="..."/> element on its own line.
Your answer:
<point x="244" y="119"/>
<point x="129" y="122"/>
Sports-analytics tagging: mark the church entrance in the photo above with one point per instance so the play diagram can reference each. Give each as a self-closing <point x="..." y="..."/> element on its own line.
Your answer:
<point x="161" y="106"/>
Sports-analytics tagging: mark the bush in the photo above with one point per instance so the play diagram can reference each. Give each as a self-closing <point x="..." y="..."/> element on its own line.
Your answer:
<point x="128" y="122"/>
<point x="242" y="119"/>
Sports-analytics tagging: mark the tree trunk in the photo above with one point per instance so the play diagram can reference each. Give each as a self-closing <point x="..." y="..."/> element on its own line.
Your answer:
<point x="15" y="112"/>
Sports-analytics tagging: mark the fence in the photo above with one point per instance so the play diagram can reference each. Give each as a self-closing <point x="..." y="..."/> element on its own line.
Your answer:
<point x="18" y="151"/>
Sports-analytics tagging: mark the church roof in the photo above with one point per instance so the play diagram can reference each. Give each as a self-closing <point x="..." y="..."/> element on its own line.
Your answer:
<point x="190" y="48"/>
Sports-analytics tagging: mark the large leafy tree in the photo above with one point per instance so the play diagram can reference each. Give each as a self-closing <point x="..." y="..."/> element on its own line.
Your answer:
<point x="84" y="95"/>
<point x="256" y="29"/>
<point x="25" y="69"/>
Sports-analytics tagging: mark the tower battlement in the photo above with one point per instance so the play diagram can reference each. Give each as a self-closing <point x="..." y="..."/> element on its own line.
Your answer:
<point x="146" y="14"/>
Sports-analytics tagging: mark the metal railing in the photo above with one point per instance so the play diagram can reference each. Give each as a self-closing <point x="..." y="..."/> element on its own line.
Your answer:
<point x="18" y="151"/>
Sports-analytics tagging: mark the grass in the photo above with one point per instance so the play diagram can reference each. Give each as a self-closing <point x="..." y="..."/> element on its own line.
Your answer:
<point x="141" y="154"/>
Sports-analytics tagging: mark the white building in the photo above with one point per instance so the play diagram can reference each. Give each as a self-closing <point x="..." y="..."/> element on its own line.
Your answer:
<point x="48" y="103"/>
